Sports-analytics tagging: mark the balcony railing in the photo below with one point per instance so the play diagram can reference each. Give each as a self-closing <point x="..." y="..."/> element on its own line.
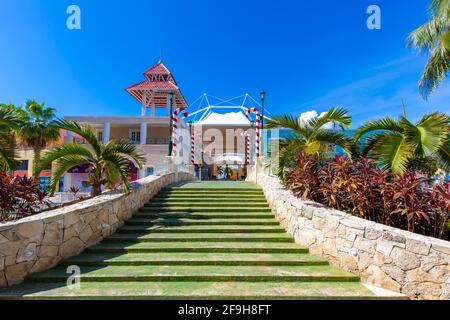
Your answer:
<point x="150" y="141"/>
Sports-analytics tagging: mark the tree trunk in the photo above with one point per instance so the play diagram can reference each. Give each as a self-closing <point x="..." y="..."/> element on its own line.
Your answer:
<point x="36" y="160"/>
<point x="96" y="189"/>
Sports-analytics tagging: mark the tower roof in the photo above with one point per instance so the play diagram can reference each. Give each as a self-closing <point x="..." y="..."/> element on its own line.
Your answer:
<point x="158" y="82"/>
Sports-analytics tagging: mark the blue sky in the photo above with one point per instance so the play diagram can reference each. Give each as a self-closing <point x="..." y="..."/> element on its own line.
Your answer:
<point x="307" y="55"/>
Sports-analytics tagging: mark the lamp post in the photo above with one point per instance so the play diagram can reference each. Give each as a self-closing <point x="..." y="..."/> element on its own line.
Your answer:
<point x="170" y="102"/>
<point x="263" y="99"/>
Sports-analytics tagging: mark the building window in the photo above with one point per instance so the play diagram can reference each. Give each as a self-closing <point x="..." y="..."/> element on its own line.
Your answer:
<point x="23" y="166"/>
<point x="135" y="137"/>
<point x="150" y="171"/>
<point x="100" y="135"/>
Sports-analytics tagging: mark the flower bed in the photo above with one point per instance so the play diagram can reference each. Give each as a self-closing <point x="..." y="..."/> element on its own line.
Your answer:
<point x="361" y="188"/>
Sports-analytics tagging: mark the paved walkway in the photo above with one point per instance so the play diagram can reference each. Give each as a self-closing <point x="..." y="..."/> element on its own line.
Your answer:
<point x="199" y="241"/>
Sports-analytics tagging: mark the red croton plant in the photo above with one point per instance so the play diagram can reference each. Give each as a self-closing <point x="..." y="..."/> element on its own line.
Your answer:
<point x="20" y="197"/>
<point x="361" y="188"/>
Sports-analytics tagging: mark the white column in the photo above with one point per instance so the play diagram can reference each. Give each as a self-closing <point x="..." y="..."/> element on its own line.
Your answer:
<point x="143" y="133"/>
<point x="67" y="181"/>
<point x="144" y="105"/>
<point x="106" y="132"/>
<point x="69" y="136"/>
<point x="153" y="109"/>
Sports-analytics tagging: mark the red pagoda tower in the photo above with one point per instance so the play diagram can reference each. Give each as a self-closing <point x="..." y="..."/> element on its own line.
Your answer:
<point x="155" y="91"/>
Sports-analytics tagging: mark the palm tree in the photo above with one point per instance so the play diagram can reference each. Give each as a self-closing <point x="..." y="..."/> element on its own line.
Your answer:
<point x="395" y="144"/>
<point x="108" y="163"/>
<point x="38" y="128"/>
<point x="8" y="122"/>
<point x="312" y="136"/>
<point x="433" y="38"/>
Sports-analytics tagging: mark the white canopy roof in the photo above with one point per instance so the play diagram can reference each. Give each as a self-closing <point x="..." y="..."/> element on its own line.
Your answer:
<point x="230" y="118"/>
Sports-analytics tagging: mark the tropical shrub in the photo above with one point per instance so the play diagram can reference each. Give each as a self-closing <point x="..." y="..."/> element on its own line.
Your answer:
<point x="400" y="145"/>
<point x="314" y="137"/>
<point x="20" y="197"/>
<point x="109" y="164"/>
<point x="363" y="189"/>
<point x="8" y="122"/>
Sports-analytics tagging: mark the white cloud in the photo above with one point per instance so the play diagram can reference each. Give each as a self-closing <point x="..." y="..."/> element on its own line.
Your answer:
<point x="306" y="116"/>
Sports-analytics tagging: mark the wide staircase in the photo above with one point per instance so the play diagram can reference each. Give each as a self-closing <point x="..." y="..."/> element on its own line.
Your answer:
<point x="213" y="240"/>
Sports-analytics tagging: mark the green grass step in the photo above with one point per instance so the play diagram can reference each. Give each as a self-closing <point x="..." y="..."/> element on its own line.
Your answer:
<point x="203" y="215"/>
<point x="212" y="185"/>
<point x="200" y="273"/>
<point x="219" y="247"/>
<point x="213" y="205"/>
<point x="217" y="197"/>
<point x="194" y="201"/>
<point x="192" y="259"/>
<point x="204" y="237"/>
<point x="200" y="229"/>
<point x="195" y="290"/>
<point x="202" y="222"/>
<point x="204" y="209"/>
<point x="212" y="192"/>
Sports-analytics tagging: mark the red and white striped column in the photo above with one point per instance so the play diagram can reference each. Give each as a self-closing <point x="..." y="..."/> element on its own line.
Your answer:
<point x="193" y="147"/>
<point x="257" y="131"/>
<point x="175" y="125"/>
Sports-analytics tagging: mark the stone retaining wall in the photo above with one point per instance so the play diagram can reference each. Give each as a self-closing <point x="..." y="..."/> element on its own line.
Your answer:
<point x="387" y="257"/>
<point x="39" y="242"/>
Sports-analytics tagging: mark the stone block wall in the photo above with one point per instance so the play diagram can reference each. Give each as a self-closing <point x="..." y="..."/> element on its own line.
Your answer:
<point x="39" y="242"/>
<point x="412" y="264"/>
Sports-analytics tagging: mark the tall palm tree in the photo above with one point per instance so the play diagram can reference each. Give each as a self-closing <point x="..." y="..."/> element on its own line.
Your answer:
<point x="396" y="143"/>
<point x="108" y="163"/>
<point x="38" y="127"/>
<point x="433" y="38"/>
<point x="8" y="123"/>
<point x="312" y="136"/>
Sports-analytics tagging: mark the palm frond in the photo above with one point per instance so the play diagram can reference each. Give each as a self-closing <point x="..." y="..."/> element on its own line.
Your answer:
<point x="336" y="138"/>
<point x="384" y="124"/>
<point x="426" y="37"/>
<point x="287" y="121"/>
<point x="120" y="165"/>
<point x="337" y="116"/>
<point x="393" y="152"/>
<point x="66" y="150"/>
<point x="444" y="156"/>
<point x="287" y="152"/>
<point x="85" y="132"/>
<point x="435" y="71"/>
<point x="64" y="164"/>
<point x="127" y="149"/>
<point x="428" y="134"/>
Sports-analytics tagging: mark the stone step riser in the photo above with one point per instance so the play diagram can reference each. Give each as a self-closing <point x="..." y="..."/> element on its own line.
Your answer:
<point x="206" y="239"/>
<point x="221" y="231"/>
<point x="198" y="250"/>
<point x="215" y="190"/>
<point x="190" y="263"/>
<point x="213" y="205"/>
<point x="201" y="223"/>
<point x="203" y="278"/>
<point x="205" y="216"/>
<point x="195" y="210"/>
<point x="210" y="197"/>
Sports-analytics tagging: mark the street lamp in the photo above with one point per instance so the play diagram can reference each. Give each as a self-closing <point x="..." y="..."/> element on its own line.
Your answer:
<point x="263" y="98"/>
<point x="170" y="102"/>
